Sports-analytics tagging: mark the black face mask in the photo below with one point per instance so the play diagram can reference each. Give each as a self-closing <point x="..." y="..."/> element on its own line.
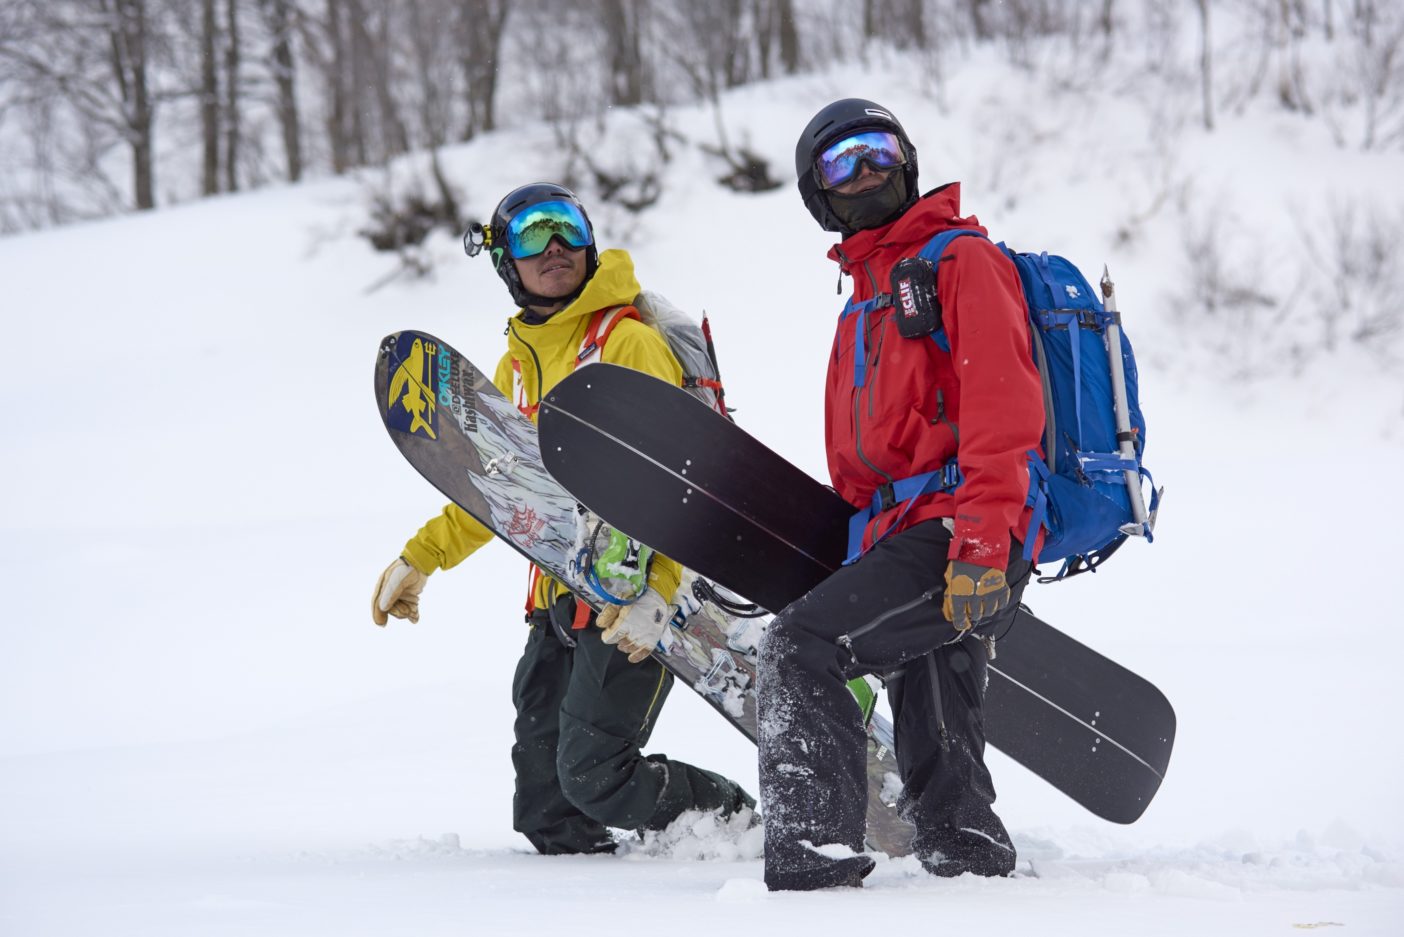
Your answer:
<point x="871" y="209"/>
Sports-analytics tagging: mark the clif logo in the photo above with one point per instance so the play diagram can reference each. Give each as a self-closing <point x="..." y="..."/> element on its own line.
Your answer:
<point x="907" y="296"/>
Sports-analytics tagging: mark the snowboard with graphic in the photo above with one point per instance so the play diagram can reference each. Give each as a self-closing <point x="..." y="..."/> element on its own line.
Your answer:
<point x="697" y="487"/>
<point x="472" y="444"/>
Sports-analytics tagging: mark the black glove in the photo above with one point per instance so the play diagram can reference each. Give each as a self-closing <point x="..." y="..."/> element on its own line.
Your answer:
<point x="973" y="594"/>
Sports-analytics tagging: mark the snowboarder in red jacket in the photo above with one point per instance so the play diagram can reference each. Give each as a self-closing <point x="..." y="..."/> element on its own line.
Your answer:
<point x="931" y="408"/>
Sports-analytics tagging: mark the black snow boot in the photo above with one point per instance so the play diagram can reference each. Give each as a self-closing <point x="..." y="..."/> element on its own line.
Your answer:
<point x="840" y="873"/>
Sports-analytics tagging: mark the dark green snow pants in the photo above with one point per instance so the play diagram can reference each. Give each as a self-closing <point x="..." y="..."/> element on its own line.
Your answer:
<point x="583" y="713"/>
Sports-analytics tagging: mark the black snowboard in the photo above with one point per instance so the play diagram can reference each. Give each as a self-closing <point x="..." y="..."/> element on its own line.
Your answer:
<point x="700" y="489"/>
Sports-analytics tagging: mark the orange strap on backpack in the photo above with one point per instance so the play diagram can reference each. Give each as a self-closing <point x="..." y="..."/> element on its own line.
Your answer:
<point x="582" y="609"/>
<point x="602" y="323"/>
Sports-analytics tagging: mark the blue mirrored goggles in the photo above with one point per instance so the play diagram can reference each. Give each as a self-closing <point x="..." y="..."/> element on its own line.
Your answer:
<point x="531" y="230"/>
<point x="841" y="161"/>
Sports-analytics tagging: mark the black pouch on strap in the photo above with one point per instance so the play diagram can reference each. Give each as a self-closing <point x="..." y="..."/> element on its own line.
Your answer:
<point x="914" y="297"/>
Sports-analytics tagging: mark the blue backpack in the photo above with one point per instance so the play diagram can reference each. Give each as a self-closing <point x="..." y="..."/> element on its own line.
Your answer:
<point x="1086" y="491"/>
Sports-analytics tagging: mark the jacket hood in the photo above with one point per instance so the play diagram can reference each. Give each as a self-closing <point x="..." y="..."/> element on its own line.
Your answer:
<point x="936" y="211"/>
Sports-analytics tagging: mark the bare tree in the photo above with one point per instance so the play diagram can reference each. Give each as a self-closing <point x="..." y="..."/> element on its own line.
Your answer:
<point x="283" y="65"/>
<point x="231" y="96"/>
<point x="1376" y="30"/>
<point x="1206" y="64"/>
<point x="784" y="12"/>
<point x="623" y="29"/>
<point x="479" y="26"/>
<point x="379" y="50"/>
<point x="982" y="18"/>
<point x="334" y="63"/>
<point x="209" y="98"/>
<point x="128" y="38"/>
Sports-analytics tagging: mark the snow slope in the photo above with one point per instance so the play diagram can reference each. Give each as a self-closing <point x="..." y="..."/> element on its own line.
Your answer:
<point x="201" y="732"/>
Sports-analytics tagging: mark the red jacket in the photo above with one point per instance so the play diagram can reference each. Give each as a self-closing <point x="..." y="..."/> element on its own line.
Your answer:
<point x="917" y="399"/>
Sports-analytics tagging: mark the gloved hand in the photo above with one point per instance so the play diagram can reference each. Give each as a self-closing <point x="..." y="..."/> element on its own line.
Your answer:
<point x="636" y="628"/>
<point x="973" y="594"/>
<point x="397" y="592"/>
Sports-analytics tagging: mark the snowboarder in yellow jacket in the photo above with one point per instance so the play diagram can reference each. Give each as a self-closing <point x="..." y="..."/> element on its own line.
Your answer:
<point x="583" y="711"/>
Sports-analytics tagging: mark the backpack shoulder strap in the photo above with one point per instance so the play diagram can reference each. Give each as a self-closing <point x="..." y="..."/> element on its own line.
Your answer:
<point x="936" y="247"/>
<point x="602" y="323"/>
<point x="933" y="252"/>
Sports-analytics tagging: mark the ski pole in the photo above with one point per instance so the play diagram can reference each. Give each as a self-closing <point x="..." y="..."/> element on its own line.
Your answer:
<point x="1122" y="408"/>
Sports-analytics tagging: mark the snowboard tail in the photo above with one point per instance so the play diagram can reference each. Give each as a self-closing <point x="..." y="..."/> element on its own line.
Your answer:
<point x="700" y="489"/>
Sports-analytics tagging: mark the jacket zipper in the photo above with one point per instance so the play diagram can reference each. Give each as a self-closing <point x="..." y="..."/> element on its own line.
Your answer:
<point x="857" y="394"/>
<point x="877" y="353"/>
<point x="536" y="360"/>
<point x="941" y="416"/>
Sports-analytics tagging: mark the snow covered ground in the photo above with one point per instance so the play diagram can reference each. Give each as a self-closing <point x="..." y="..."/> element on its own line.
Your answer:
<point x="202" y="733"/>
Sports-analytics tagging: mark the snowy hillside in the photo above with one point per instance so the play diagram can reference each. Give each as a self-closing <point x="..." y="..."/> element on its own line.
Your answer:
<point x="201" y="732"/>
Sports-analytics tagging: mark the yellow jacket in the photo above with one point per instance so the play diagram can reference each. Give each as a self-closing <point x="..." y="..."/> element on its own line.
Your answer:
<point x="546" y="353"/>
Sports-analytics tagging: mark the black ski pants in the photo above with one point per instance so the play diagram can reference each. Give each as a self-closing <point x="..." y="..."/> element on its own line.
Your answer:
<point x="881" y="615"/>
<point x="583" y="714"/>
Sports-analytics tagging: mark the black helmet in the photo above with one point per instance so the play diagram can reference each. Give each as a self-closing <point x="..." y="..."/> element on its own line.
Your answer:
<point x="507" y="209"/>
<point x="827" y="126"/>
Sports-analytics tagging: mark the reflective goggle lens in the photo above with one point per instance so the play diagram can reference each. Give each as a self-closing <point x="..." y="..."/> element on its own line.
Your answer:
<point x="531" y="230"/>
<point x="841" y="161"/>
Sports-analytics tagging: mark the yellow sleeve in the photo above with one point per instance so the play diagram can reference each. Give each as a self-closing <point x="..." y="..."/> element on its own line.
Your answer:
<point x="453" y="535"/>
<point x="446" y="540"/>
<point x="502" y="380"/>
<point x="634" y="345"/>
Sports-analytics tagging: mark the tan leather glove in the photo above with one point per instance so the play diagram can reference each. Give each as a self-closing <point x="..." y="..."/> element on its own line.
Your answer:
<point x="973" y="594"/>
<point x="636" y="629"/>
<point x="397" y="592"/>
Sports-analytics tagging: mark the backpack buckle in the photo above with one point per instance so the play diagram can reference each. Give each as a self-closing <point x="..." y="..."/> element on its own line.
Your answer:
<point x="886" y="497"/>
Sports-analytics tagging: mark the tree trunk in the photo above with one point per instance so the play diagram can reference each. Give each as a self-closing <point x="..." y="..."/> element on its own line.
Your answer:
<point x="480" y="27"/>
<point x="231" y="99"/>
<point x="285" y="79"/>
<point x="1206" y="65"/>
<point x="916" y="23"/>
<point x="209" y="99"/>
<point x="487" y="102"/>
<point x="621" y="26"/>
<point x="337" y="69"/>
<point x="763" y="14"/>
<point x="979" y="15"/>
<point x="737" y="52"/>
<point x="392" y="128"/>
<point x="789" y="36"/>
<point x="359" y="80"/>
<point x="127" y="33"/>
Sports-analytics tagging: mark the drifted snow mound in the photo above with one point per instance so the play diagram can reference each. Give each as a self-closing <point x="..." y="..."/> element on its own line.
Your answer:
<point x="701" y="834"/>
